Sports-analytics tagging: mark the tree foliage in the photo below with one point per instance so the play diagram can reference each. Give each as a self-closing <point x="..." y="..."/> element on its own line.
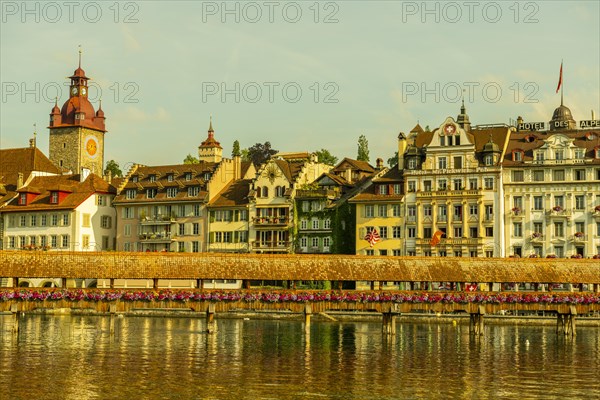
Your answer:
<point x="393" y="161"/>
<point x="113" y="167"/>
<point x="190" y="159"/>
<point x="259" y="153"/>
<point x="363" y="149"/>
<point x="326" y="157"/>
<point x="236" y="149"/>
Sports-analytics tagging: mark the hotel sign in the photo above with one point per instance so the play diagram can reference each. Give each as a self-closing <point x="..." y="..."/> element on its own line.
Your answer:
<point x="532" y="126"/>
<point x="591" y="123"/>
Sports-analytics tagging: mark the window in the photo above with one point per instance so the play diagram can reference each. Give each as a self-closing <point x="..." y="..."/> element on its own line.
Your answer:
<point x="473" y="184"/>
<point x="412" y="163"/>
<point x="458" y="161"/>
<point x="397" y="188"/>
<point x="188" y="176"/>
<point x="580" y="174"/>
<point x="102" y="200"/>
<point x="326" y="243"/>
<point x="383" y="232"/>
<point x="457" y="184"/>
<point x="579" y="202"/>
<point x="150" y="193"/>
<point x="303" y="241"/>
<point x="181" y="247"/>
<point x="458" y="232"/>
<point x="218" y="237"/>
<point x="195" y="247"/>
<point x="517" y="229"/>
<point x="559" y="251"/>
<point x="85" y="241"/>
<point x="517" y="156"/>
<point x="489" y="212"/>
<point x="327" y="224"/>
<point x="127" y="230"/>
<point x="65" y="219"/>
<point x="411" y="213"/>
<point x="558" y="175"/>
<point x="580" y="227"/>
<point x="559" y="155"/>
<point x="130" y="194"/>
<point x="170" y="177"/>
<point x="396" y="210"/>
<point x="85" y="220"/>
<point x="305" y="206"/>
<point x="65" y="241"/>
<point x="598" y="230"/>
<point x="579" y="154"/>
<point x="458" y="213"/>
<point x="54" y="197"/>
<point x="412" y="186"/>
<point x="315" y="224"/>
<point x="383" y="252"/>
<point x="538" y="203"/>
<point x="539" y="156"/>
<point x="196" y="228"/>
<point x="105" y="222"/>
<point x="32" y="241"/>
<point x="383" y="189"/>
<point x="473" y="232"/>
<point x="382" y="210"/>
<point x="227" y="237"/>
<point x="152" y="178"/>
<point x="559" y="229"/>
<point x="411" y="232"/>
<point x="181" y="229"/>
<point x="559" y="201"/>
<point x="134" y="178"/>
<point x="314" y="242"/>
<point x="369" y="211"/>
<point x="303" y="224"/>
<point x="427" y="233"/>
<point x="193" y="191"/>
<point x="538" y="176"/>
<point x="370" y="252"/>
<point x="181" y="210"/>
<point x="442" y="140"/>
<point x="279" y="191"/>
<point x="518" y="202"/>
<point x="427" y="210"/>
<point x="517" y="176"/>
<point x="488" y="159"/>
<point x="442" y="163"/>
<point x="397" y="232"/>
<point x="196" y="210"/>
<point x="34" y="220"/>
<point x="265" y="191"/>
<point x="489" y="231"/>
<point x="489" y="183"/>
<point x="538" y="227"/>
<point x="427" y="186"/>
<point x="442" y="184"/>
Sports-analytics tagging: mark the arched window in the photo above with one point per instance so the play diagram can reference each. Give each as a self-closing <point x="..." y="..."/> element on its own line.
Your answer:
<point x="258" y="192"/>
<point x="265" y="191"/>
<point x="488" y="159"/>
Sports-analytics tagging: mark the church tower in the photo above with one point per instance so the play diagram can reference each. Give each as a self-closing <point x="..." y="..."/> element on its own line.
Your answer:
<point x="76" y="130"/>
<point x="210" y="150"/>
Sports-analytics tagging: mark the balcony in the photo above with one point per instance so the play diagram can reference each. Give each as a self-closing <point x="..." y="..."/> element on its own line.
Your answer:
<point x="442" y="218"/>
<point x="271" y="221"/>
<point x="579" y="237"/>
<point x="448" y="193"/>
<point x="537" y="237"/>
<point x="454" y="242"/>
<point x="156" y="237"/>
<point x="488" y="218"/>
<point x="411" y="219"/>
<point x="276" y="245"/>
<point x="558" y="211"/>
<point x="157" y="220"/>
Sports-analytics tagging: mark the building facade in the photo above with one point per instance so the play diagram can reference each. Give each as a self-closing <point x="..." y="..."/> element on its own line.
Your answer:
<point x="552" y="189"/>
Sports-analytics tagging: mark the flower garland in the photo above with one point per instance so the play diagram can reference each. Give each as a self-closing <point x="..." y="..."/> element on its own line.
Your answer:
<point x="296" y="297"/>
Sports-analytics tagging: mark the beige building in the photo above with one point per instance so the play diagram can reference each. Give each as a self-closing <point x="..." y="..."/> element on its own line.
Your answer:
<point x="552" y="189"/>
<point x="453" y="184"/>
<point x="271" y="200"/>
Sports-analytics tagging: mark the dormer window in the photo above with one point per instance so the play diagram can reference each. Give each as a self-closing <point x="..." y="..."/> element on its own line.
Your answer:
<point x="597" y="152"/>
<point x="488" y="159"/>
<point x="193" y="191"/>
<point x="517" y="155"/>
<point x="54" y="197"/>
<point x="539" y="156"/>
<point x="188" y="176"/>
<point x="134" y="179"/>
<point x="265" y="191"/>
<point x="172" y="192"/>
<point x="150" y="193"/>
<point x="152" y="178"/>
<point x="412" y="163"/>
<point x="383" y="189"/>
<point x="130" y="194"/>
<point x="23" y="199"/>
<point x="258" y="192"/>
<point x="559" y="155"/>
<point x="206" y="176"/>
<point x="579" y="154"/>
<point x="170" y="177"/>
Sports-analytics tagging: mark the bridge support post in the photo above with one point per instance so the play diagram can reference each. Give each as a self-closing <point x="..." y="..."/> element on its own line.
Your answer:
<point x="15" y="282"/>
<point x="112" y="283"/>
<point x="199" y="284"/>
<point x="566" y="322"/>
<point x="596" y="287"/>
<point x="476" y="321"/>
<point x="246" y="283"/>
<point x="155" y="283"/>
<point x="112" y="310"/>
<point x="14" y="309"/>
<point x="307" y="315"/>
<point x="211" y="324"/>
<point x="63" y="283"/>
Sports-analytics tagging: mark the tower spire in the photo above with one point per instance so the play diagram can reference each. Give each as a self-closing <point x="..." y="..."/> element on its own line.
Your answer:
<point x="210" y="128"/>
<point x="79" y="56"/>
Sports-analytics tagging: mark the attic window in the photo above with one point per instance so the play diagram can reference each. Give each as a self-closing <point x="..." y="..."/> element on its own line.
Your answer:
<point x="597" y="152"/>
<point x="188" y="176"/>
<point x="206" y="176"/>
<point x="383" y="189"/>
<point x="170" y="177"/>
<point x="134" y="178"/>
<point x="591" y="136"/>
<point x="152" y="178"/>
<point x="23" y="199"/>
<point x="530" y="138"/>
<point x="517" y="155"/>
<point x="54" y="198"/>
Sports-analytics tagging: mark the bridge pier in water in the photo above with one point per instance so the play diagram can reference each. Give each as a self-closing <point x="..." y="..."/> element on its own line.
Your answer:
<point x="307" y="315"/>
<point x="476" y="321"/>
<point x="211" y="324"/>
<point x="565" y="322"/>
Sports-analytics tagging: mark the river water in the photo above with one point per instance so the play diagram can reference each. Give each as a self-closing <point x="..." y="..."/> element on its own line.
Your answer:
<point x="75" y="357"/>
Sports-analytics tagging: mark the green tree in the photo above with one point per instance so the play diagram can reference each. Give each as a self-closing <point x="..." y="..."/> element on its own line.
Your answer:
<point x="326" y="157"/>
<point x="393" y="161"/>
<point x="236" y="149"/>
<point x="363" y="149"/>
<point x="259" y="153"/>
<point x="427" y="129"/>
<point x="245" y="155"/>
<point x="190" y="159"/>
<point x="113" y="167"/>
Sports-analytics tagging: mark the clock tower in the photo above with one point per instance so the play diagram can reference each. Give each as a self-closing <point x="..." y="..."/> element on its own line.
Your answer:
<point x="77" y="130"/>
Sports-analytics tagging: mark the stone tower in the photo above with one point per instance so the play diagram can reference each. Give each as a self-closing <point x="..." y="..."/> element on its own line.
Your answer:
<point x="76" y="130"/>
<point x="210" y="150"/>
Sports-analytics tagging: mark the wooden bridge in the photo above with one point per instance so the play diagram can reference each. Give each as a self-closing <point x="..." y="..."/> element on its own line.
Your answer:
<point x="488" y="276"/>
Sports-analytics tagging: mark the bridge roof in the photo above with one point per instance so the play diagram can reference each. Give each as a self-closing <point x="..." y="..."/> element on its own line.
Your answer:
<point x="121" y="265"/>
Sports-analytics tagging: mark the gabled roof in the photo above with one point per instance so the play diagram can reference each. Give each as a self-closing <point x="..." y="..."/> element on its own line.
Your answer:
<point x="78" y="192"/>
<point x="235" y="194"/>
<point x="355" y="164"/>
<point x="370" y="193"/>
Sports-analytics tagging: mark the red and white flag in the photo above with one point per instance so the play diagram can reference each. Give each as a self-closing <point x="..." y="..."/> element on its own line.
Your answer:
<point x="559" y="78"/>
<point x="372" y="237"/>
<point x="437" y="237"/>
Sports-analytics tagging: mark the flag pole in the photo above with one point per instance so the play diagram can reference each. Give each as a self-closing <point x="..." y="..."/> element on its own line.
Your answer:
<point x="562" y="83"/>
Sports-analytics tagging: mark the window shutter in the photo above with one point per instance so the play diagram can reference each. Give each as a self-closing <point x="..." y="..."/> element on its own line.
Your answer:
<point x="212" y="216"/>
<point x="211" y="237"/>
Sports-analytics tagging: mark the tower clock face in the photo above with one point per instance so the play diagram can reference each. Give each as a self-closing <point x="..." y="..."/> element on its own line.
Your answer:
<point x="74" y="91"/>
<point x="91" y="146"/>
<point x="83" y="91"/>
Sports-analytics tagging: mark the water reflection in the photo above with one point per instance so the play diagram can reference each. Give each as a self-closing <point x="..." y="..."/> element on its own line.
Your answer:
<point x="75" y="357"/>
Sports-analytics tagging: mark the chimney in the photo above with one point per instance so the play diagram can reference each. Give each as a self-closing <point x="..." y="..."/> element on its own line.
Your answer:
<point x="237" y="167"/>
<point x="519" y="120"/>
<point x="20" y="180"/>
<point x="85" y="172"/>
<point x="108" y="176"/>
<point x="32" y="142"/>
<point x="379" y="163"/>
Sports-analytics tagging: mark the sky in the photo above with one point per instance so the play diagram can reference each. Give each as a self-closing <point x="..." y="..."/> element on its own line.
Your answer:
<point x="303" y="75"/>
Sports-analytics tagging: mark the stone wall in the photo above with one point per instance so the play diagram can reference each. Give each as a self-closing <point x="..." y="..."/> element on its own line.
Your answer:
<point x="129" y="265"/>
